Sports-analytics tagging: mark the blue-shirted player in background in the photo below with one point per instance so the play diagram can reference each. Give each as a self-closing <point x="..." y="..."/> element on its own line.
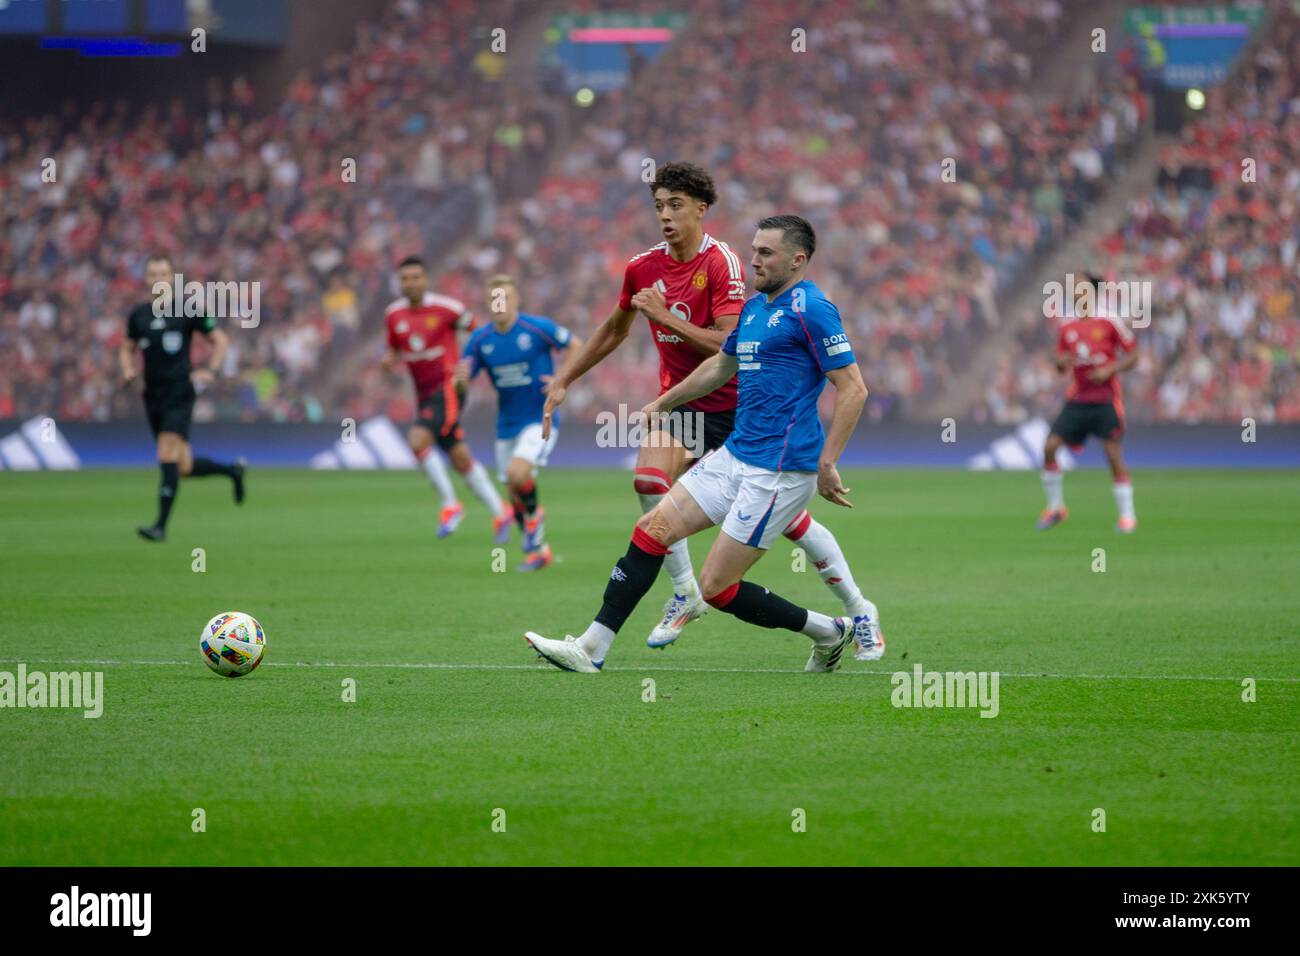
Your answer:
<point x="516" y="351"/>
<point x="788" y="341"/>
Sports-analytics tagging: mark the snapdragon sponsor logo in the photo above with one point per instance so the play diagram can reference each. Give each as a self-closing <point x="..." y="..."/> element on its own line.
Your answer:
<point x="1082" y="298"/>
<point x="74" y="908"/>
<point x="35" y="689"/>
<point x="222" y="300"/>
<point x="628" y="428"/>
<point x="922" y="688"/>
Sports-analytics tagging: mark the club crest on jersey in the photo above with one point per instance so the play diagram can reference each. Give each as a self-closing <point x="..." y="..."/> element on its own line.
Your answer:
<point x="700" y="280"/>
<point x="775" y="318"/>
<point x="525" y="341"/>
<point x="487" y="349"/>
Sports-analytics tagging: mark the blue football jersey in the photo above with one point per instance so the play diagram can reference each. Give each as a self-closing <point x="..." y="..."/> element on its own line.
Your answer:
<point x="784" y="349"/>
<point x="516" y="360"/>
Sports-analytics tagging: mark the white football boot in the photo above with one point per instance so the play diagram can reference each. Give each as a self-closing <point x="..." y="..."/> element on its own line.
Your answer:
<point x="680" y="610"/>
<point x="567" y="654"/>
<point x="868" y="636"/>
<point x="826" y="657"/>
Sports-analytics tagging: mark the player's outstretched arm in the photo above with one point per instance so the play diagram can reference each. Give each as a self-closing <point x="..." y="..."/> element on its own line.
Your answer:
<point x="707" y="377"/>
<point x="850" y="397"/>
<point x="606" y="339"/>
<point x="571" y="352"/>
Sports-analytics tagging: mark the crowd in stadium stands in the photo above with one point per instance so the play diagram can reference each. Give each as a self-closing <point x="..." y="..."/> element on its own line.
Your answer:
<point x="852" y="134"/>
<point x="1218" y="237"/>
<point x="233" y="194"/>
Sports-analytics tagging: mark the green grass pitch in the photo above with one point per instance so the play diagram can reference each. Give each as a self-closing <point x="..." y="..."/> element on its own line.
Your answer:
<point x="1119" y="690"/>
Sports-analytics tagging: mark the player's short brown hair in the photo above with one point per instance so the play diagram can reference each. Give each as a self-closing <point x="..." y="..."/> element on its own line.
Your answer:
<point x="501" y="278"/>
<point x="796" y="231"/>
<point x="685" y="178"/>
<point x="161" y="257"/>
<point x="412" y="261"/>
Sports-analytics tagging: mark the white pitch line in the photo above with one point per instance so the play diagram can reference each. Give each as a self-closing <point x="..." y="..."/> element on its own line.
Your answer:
<point x="373" y="665"/>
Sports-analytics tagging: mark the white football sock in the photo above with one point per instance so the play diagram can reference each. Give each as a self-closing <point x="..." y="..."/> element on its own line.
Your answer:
<point x="436" y="469"/>
<point x="677" y="562"/>
<point x="479" y="482"/>
<point x="820" y="628"/>
<point x="1124" y="498"/>
<point x="824" y="552"/>
<point x="595" y="640"/>
<point x="1052" y="481"/>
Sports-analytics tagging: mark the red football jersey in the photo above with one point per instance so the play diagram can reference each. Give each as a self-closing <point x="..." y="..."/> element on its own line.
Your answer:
<point x="699" y="291"/>
<point x="424" y="337"/>
<point x="1092" y="342"/>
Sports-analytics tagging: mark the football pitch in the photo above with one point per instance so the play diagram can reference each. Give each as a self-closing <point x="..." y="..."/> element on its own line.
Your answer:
<point x="1120" y="691"/>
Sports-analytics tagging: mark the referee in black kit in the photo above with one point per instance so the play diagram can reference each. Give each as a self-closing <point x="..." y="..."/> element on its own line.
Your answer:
<point x="169" y="389"/>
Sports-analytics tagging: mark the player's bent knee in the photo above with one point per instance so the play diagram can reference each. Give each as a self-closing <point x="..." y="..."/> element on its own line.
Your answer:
<point x="656" y="524"/>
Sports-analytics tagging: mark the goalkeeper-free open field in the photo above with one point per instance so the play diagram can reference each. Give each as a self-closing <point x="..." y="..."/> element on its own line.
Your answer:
<point x="1120" y="691"/>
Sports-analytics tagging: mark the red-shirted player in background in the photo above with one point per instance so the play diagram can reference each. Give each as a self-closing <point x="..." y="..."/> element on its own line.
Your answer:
<point x="1096" y="348"/>
<point x="691" y="287"/>
<point x="421" y="329"/>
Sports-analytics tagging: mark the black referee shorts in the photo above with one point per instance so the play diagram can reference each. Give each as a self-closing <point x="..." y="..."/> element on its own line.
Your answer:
<point x="170" y="409"/>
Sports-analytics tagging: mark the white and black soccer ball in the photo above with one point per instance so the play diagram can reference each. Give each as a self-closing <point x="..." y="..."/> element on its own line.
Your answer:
<point x="232" y="644"/>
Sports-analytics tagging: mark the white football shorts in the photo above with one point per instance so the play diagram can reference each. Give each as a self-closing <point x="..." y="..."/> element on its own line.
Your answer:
<point x="529" y="445"/>
<point x="752" y="504"/>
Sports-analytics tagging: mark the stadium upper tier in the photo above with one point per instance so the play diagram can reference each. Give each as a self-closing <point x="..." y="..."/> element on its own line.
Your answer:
<point x="852" y="133"/>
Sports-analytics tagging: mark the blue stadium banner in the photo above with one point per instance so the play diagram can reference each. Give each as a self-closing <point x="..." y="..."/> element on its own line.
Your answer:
<point x="23" y="16"/>
<point x="94" y="16"/>
<point x="166" y="16"/>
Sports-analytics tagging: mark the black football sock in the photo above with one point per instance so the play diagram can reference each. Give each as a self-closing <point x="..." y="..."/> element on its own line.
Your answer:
<point x="528" y="498"/>
<point x="755" y="604"/>
<point x="171" y="481"/>
<point x="519" y="512"/>
<point x="631" y="578"/>
<point x="206" y="466"/>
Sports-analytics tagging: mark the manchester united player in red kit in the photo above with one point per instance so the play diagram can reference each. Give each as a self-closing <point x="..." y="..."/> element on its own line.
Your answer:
<point x="1096" y="348"/>
<point x="421" y="329"/>
<point x="691" y="288"/>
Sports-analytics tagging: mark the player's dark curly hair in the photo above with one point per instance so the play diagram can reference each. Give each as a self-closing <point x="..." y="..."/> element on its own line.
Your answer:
<point x="686" y="178"/>
<point x="795" y="231"/>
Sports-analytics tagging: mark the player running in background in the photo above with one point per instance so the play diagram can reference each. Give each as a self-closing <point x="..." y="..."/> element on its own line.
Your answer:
<point x="421" y="329"/>
<point x="516" y="351"/>
<point x="691" y="287"/>
<point x="788" y="342"/>
<point x="169" y="389"/>
<point x="1096" y="348"/>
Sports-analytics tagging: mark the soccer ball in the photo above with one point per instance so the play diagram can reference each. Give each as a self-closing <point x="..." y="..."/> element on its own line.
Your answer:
<point x="232" y="643"/>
